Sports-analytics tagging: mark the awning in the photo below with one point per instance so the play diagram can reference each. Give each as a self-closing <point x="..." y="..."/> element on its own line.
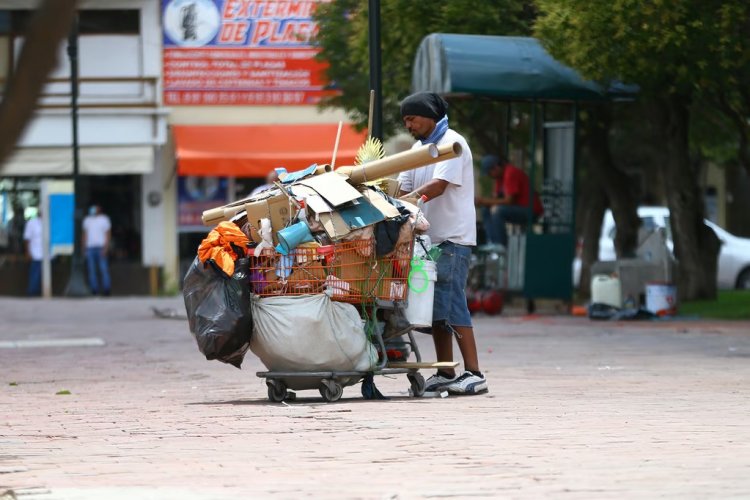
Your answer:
<point x="254" y="150"/>
<point x="503" y="67"/>
<point x="42" y="162"/>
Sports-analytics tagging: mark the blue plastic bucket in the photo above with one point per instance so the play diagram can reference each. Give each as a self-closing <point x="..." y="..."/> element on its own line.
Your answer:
<point x="291" y="237"/>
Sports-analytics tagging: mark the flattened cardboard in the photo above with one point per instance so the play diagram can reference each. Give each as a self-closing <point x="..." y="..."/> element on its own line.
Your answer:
<point x="334" y="225"/>
<point x="316" y="202"/>
<point x="360" y="214"/>
<point x="381" y="203"/>
<point x="333" y="187"/>
<point x="299" y="174"/>
<point x="388" y="185"/>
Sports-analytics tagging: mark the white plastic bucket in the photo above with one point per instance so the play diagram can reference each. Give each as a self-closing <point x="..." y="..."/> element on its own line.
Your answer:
<point x="422" y="278"/>
<point x="661" y="298"/>
<point x="606" y="289"/>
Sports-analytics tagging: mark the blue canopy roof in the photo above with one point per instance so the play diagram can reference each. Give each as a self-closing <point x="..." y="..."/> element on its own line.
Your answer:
<point x="504" y="67"/>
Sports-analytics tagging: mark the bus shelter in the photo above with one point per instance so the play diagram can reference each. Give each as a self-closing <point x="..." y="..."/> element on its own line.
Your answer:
<point x="519" y="70"/>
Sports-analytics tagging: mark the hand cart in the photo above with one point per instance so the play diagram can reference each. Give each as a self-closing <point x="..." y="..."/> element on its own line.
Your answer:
<point x="350" y="272"/>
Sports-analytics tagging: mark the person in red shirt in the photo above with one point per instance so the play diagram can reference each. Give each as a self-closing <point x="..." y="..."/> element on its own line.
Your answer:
<point x="511" y="201"/>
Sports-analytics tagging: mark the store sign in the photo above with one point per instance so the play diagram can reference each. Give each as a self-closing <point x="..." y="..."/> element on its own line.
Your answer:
<point x="220" y="52"/>
<point x="196" y="194"/>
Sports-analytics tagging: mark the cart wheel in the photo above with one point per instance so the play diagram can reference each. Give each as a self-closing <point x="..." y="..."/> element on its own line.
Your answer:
<point x="276" y="390"/>
<point x="417" y="384"/>
<point x="331" y="391"/>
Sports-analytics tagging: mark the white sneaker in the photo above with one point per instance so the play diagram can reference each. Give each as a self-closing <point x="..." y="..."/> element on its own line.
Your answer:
<point x="467" y="383"/>
<point x="436" y="382"/>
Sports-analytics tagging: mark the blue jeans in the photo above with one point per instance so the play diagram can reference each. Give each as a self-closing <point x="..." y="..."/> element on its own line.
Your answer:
<point x="95" y="259"/>
<point x="450" y="295"/>
<point x="495" y="218"/>
<point x="34" y="288"/>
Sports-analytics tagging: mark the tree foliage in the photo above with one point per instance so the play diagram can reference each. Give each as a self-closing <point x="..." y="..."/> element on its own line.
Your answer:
<point x="679" y="53"/>
<point x="343" y="40"/>
<point x="694" y="48"/>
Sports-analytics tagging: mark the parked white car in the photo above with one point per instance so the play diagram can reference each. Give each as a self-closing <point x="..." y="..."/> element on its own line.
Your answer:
<point x="734" y="257"/>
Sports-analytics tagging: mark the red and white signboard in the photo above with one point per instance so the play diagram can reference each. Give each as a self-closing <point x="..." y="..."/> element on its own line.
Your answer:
<point x="220" y="52"/>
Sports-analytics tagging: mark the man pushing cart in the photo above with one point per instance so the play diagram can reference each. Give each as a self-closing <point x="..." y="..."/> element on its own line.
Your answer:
<point x="323" y="281"/>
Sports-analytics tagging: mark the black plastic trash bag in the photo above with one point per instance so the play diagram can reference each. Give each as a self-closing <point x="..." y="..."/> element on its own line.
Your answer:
<point x="218" y="310"/>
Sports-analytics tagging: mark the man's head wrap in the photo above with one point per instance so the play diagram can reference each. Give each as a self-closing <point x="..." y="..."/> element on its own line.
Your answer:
<point x="427" y="104"/>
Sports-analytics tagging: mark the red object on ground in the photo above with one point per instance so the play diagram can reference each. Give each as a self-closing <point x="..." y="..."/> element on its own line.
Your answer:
<point x="492" y="302"/>
<point x="472" y="301"/>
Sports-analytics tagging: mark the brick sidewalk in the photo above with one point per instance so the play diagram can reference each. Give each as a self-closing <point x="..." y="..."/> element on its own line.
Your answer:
<point x="576" y="409"/>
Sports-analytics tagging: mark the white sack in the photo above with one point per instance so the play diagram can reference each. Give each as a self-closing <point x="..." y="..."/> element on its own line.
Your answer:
<point x="309" y="333"/>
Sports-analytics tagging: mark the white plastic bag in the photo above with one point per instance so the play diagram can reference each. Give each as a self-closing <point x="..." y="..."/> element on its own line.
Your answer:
<point x="309" y="333"/>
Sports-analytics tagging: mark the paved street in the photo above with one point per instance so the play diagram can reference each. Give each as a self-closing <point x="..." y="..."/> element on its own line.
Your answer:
<point x="576" y="409"/>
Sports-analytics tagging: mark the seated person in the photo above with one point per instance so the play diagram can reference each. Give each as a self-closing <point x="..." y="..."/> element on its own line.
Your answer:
<point x="511" y="200"/>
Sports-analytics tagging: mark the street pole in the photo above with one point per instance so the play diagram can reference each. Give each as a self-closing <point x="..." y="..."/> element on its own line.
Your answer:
<point x="77" y="283"/>
<point x="375" y="68"/>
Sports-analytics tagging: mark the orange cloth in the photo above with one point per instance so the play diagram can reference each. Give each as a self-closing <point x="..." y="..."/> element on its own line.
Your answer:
<point x="217" y="246"/>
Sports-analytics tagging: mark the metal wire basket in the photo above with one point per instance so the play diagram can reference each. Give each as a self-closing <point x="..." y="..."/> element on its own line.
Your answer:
<point x="347" y="271"/>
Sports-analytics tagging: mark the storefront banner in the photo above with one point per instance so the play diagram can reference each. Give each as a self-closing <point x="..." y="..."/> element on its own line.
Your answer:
<point x="196" y="194"/>
<point x="219" y="52"/>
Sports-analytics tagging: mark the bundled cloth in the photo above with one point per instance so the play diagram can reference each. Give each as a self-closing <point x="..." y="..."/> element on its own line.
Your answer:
<point x="223" y="246"/>
<point x="310" y="333"/>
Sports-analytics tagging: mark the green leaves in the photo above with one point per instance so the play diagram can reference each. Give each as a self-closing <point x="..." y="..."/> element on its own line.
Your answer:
<point x="343" y="39"/>
<point x="657" y="45"/>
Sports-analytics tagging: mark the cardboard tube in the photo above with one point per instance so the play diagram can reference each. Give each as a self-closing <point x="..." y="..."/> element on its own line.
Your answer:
<point x="225" y="212"/>
<point x="390" y="165"/>
<point x="448" y="151"/>
<point x="323" y="169"/>
<point x="215" y="215"/>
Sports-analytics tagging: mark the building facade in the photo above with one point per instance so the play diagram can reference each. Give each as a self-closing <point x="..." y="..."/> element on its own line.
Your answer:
<point x="155" y="77"/>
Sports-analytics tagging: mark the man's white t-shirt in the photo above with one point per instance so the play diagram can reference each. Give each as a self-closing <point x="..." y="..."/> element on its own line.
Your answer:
<point x="32" y="233"/>
<point x="96" y="227"/>
<point x="451" y="215"/>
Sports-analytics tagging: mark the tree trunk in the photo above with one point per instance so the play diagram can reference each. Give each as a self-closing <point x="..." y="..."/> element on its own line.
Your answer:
<point x="617" y="185"/>
<point x="696" y="246"/>
<point x="50" y="25"/>
<point x="594" y="201"/>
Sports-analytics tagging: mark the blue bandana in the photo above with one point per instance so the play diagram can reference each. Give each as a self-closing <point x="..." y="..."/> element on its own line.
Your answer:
<point x="440" y="128"/>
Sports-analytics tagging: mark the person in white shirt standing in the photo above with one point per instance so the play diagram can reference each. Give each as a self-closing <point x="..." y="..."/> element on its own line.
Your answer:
<point x="449" y="188"/>
<point x="32" y="236"/>
<point x="97" y="230"/>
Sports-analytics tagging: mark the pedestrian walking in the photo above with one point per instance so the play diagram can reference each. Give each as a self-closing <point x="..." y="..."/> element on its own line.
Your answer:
<point x="449" y="188"/>
<point x="32" y="237"/>
<point x="97" y="232"/>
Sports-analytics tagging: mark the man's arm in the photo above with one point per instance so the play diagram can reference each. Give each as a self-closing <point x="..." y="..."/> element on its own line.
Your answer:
<point x="491" y="202"/>
<point x="431" y="189"/>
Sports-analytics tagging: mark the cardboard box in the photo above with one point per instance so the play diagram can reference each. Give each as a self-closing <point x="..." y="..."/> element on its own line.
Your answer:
<point x="279" y="208"/>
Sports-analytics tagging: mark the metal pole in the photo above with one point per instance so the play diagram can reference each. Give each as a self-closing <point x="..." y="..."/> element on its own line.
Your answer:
<point x="375" y="68"/>
<point x="77" y="283"/>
